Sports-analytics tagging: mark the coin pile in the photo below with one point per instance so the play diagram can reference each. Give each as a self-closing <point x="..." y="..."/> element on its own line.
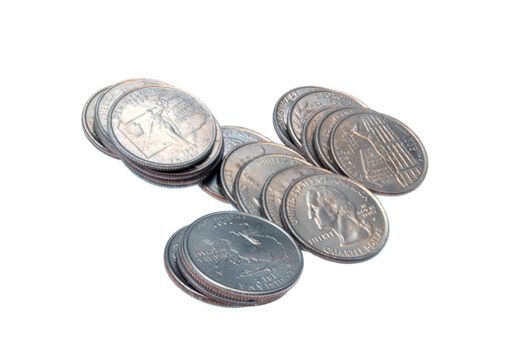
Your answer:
<point x="338" y="132"/>
<point x="233" y="259"/>
<point x="161" y="133"/>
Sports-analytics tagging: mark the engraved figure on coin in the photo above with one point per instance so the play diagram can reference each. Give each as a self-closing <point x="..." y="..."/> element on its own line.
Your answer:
<point x="246" y="248"/>
<point x="331" y="210"/>
<point x="386" y="158"/>
<point x="157" y="128"/>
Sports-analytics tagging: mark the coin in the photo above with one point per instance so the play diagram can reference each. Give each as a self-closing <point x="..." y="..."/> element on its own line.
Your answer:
<point x="234" y="136"/>
<point x="88" y="121"/>
<point x="309" y="130"/>
<point x="335" y="218"/>
<point x="253" y="175"/>
<point x="106" y="101"/>
<point x="321" y="140"/>
<point x="276" y="186"/>
<point x="170" y="258"/>
<point x="162" y="128"/>
<point x="238" y="157"/>
<point x="379" y="152"/>
<point x="280" y="116"/>
<point x="310" y="103"/>
<point x="240" y="257"/>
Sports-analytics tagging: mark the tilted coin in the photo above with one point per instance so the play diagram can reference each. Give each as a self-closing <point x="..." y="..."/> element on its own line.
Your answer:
<point x="238" y="157"/>
<point x="240" y="257"/>
<point x="280" y="117"/>
<point x="107" y="100"/>
<point x="379" y="152"/>
<point x="276" y="186"/>
<point x="310" y="103"/>
<point x="335" y="218"/>
<point x="88" y="121"/>
<point x="309" y="130"/>
<point x="322" y="135"/>
<point x="234" y="136"/>
<point x="161" y="127"/>
<point x="170" y="258"/>
<point x="253" y="175"/>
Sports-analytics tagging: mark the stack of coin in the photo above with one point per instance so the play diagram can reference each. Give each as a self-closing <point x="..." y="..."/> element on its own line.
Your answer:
<point x="233" y="259"/>
<point x="161" y="133"/>
<point x="233" y="136"/>
<point x="340" y="133"/>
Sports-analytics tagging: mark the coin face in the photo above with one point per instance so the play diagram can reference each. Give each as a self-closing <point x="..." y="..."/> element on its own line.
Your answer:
<point x="88" y="121"/>
<point x="162" y="128"/>
<point x="234" y="161"/>
<point x="240" y="256"/>
<point x="234" y="136"/>
<point x="276" y="186"/>
<point x="379" y="152"/>
<point x="335" y="218"/>
<point x="283" y="105"/>
<point x="108" y="98"/>
<point x="309" y="104"/>
<point x="253" y="176"/>
<point x="322" y="135"/>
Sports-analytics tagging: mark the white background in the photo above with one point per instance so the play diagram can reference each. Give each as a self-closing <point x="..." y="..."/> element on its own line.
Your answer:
<point x="82" y="239"/>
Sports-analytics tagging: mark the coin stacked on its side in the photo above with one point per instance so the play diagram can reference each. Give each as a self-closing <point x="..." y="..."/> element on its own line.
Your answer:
<point x="233" y="259"/>
<point x="162" y="134"/>
<point x="340" y="133"/>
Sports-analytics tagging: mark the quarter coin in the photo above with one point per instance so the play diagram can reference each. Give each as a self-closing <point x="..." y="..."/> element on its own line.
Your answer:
<point x="379" y="152"/>
<point x="335" y="218"/>
<point x="162" y="128"/>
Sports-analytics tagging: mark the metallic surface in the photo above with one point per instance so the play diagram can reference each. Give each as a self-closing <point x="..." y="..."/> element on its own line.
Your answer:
<point x="335" y="218"/>
<point x="321" y="140"/>
<point x="379" y="152"/>
<point x="234" y="136"/>
<point x="161" y="127"/>
<point x="88" y="121"/>
<point x="253" y="175"/>
<point x="283" y="105"/>
<point x="309" y="104"/>
<point x="241" y="257"/>
<point x="237" y="158"/>
<point x="276" y="186"/>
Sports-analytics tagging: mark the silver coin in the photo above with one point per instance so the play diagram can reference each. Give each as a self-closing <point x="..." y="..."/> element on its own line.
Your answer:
<point x="170" y="258"/>
<point x="335" y="218"/>
<point x="161" y="127"/>
<point x="241" y="257"/>
<point x="234" y="136"/>
<point x="379" y="152"/>
<point x="253" y="175"/>
<point x="88" y="121"/>
<point x="321" y="140"/>
<point x="107" y="100"/>
<point x="309" y="104"/>
<point x="276" y="186"/>
<point x="308" y="132"/>
<point x="280" y="117"/>
<point x="238" y="157"/>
